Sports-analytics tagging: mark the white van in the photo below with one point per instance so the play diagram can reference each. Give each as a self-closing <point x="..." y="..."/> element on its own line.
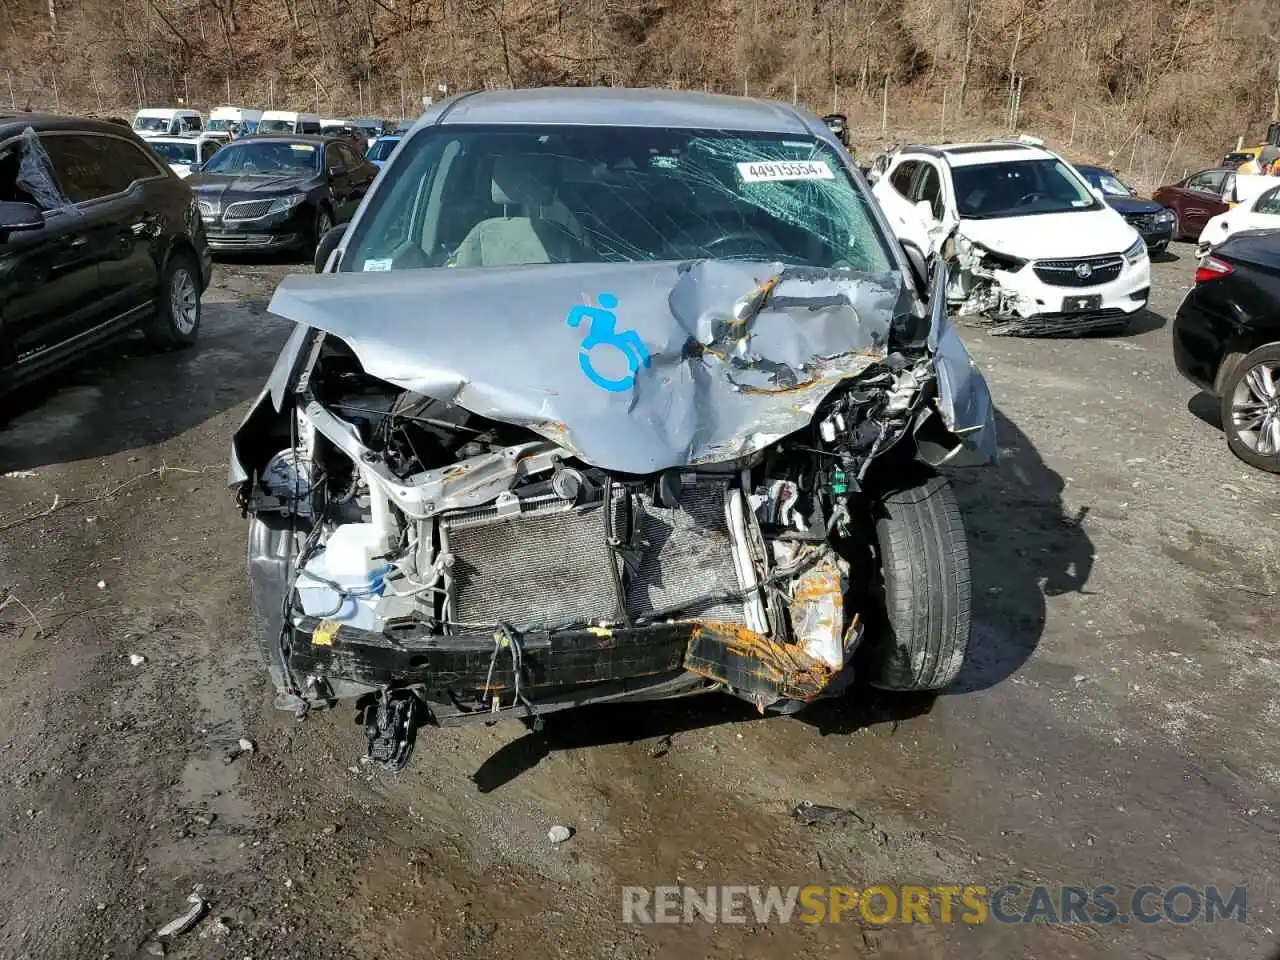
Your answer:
<point x="221" y="119"/>
<point x="287" y="121"/>
<point x="166" y="122"/>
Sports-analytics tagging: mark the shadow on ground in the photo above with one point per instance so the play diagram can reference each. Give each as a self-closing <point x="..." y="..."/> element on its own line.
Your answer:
<point x="661" y="720"/>
<point x="1206" y="407"/>
<point x="1144" y="321"/>
<point x="125" y="396"/>
<point x="1023" y="546"/>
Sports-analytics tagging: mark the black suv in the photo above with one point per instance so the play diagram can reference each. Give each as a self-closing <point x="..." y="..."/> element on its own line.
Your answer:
<point x="97" y="236"/>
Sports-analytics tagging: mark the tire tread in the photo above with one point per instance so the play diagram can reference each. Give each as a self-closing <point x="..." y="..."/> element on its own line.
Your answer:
<point x="928" y="586"/>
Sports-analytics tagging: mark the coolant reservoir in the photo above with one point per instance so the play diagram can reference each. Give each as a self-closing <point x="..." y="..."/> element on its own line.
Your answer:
<point x="351" y="563"/>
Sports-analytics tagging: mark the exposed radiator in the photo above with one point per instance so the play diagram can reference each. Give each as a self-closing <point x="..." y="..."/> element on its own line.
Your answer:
<point x="686" y="553"/>
<point x="543" y="562"/>
<point x="542" y="567"/>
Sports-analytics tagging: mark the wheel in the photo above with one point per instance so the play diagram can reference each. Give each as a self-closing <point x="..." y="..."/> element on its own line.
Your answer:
<point x="1250" y="400"/>
<point x="177" y="317"/>
<point x="924" y="565"/>
<point x="324" y="223"/>
<point x="1177" y="226"/>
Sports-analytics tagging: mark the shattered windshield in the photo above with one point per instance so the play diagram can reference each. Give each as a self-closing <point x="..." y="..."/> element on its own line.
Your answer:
<point x="1019" y="188"/>
<point x="266" y="158"/>
<point x="506" y="196"/>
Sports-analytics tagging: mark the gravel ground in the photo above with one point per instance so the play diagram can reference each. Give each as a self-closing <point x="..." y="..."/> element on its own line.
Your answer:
<point x="1115" y="723"/>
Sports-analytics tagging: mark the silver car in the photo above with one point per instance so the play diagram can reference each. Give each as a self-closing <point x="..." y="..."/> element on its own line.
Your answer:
<point x="609" y="395"/>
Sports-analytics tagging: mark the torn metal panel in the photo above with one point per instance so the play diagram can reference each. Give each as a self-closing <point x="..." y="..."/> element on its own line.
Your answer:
<point x="757" y="668"/>
<point x="633" y="367"/>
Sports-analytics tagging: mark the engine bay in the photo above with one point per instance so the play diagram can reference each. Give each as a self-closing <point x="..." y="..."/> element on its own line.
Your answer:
<point x="423" y="521"/>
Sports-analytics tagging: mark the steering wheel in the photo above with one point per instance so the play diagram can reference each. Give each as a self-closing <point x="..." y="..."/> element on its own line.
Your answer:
<point x="1030" y="198"/>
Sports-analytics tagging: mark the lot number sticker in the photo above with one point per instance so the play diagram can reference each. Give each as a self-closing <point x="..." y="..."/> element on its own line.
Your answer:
<point x="785" y="170"/>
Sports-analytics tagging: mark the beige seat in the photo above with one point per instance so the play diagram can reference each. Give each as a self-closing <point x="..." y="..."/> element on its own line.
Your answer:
<point x="530" y="230"/>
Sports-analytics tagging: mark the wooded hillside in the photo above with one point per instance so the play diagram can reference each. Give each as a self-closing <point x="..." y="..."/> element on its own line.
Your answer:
<point x="1110" y="76"/>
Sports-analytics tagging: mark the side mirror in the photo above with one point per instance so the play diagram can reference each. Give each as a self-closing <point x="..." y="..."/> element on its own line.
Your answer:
<point x="195" y="167"/>
<point x="925" y="209"/>
<point x="919" y="265"/>
<point x="17" y="217"/>
<point x="328" y="243"/>
<point x="337" y="170"/>
<point x="1098" y="194"/>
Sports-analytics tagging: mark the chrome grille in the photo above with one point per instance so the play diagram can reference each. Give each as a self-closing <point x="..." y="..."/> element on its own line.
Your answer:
<point x="247" y="209"/>
<point x="1085" y="272"/>
<point x="208" y="208"/>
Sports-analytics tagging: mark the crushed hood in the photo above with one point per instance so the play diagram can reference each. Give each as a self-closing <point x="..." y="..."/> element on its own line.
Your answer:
<point x="633" y="367"/>
<point x="1084" y="233"/>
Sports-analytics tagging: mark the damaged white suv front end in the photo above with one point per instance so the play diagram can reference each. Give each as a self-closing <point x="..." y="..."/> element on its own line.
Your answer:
<point x="1032" y="248"/>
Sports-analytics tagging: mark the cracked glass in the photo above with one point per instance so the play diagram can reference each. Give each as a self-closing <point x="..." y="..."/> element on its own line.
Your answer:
<point x="463" y="197"/>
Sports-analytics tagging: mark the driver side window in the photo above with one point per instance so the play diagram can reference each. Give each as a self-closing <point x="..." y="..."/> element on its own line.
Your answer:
<point x="1269" y="202"/>
<point x="1203" y="182"/>
<point x="902" y="176"/>
<point x="928" y="186"/>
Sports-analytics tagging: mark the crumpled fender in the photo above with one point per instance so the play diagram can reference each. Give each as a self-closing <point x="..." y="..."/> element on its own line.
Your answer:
<point x="964" y="400"/>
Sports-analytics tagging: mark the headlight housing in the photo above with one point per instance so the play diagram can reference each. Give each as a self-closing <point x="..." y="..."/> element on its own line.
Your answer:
<point x="987" y="258"/>
<point x="1165" y="216"/>
<point x="1137" y="251"/>
<point x="281" y="204"/>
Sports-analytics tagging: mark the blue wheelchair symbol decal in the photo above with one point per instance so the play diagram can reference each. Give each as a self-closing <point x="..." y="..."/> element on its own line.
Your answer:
<point x="602" y="332"/>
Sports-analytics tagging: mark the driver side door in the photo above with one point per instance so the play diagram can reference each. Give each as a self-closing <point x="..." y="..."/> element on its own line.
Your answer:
<point x="339" y="182"/>
<point x="1202" y="199"/>
<point x="930" y="194"/>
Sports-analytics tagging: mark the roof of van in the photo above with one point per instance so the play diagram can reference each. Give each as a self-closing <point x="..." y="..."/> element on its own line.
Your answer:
<point x="289" y="115"/>
<point x="167" y="112"/>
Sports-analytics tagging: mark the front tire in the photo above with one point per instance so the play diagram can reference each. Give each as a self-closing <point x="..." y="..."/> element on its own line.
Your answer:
<point x="924" y="562"/>
<point x="1250" y="398"/>
<point x="324" y="223"/>
<point x="177" y="319"/>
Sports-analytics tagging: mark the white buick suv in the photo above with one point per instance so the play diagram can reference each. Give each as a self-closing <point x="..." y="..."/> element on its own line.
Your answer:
<point x="1033" y="247"/>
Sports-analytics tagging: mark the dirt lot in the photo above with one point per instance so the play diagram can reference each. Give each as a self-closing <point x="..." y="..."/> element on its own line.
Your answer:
<point x="1116" y="723"/>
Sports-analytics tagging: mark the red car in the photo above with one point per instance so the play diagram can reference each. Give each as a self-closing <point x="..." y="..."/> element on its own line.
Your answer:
<point x="1196" y="199"/>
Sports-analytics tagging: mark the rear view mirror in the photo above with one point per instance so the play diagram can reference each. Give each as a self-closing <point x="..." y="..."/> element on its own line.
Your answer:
<point x="919" y="265"/>
<point x="16" y="217"/>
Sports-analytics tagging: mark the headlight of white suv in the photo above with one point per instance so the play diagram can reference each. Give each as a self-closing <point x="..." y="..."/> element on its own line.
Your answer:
<point x="1137" y="252"/>
<point x="286" y="203"/>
